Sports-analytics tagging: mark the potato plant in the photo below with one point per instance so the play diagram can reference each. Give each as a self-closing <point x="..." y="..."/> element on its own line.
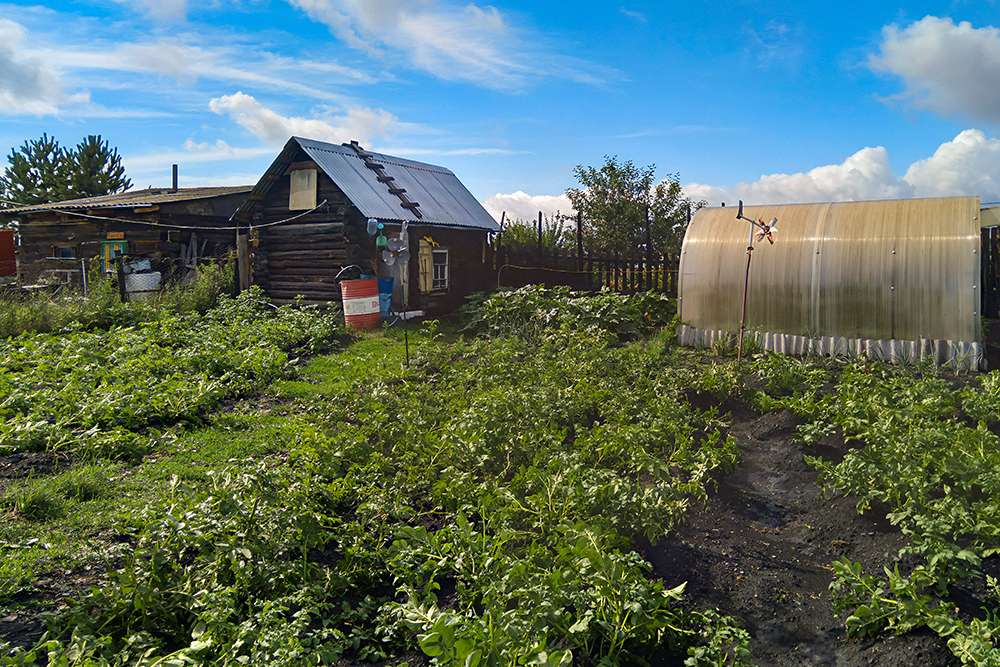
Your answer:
<point x="927" y="454"/>
<point x="480" y="507"/>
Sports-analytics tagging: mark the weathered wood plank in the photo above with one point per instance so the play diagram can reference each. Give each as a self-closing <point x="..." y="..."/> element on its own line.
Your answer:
<point x="308" y="228"/>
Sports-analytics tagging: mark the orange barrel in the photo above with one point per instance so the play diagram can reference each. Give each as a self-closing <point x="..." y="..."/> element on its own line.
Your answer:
<point x="361" y="309"/>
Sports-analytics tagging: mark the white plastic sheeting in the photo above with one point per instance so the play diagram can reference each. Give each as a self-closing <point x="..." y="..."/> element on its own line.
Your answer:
<point x="895" y="279"/>
<point x="956" y="354"/>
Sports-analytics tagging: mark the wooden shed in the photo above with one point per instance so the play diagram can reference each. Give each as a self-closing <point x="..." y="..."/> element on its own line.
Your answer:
<point x="170" y="227"/>
<point x="893" y="279"/>
<point x="311" y="214"/>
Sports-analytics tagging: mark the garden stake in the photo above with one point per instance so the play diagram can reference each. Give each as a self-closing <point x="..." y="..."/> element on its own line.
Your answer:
<point x="766" y="230"/>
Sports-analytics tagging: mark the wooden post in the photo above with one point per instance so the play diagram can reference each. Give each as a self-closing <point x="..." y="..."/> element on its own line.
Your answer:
<point x="539" y="237"/>
<point x="579" y="241"/>
<point x="120" y="271"/>
<point x="243" y="260"/>
<point x="649" y="249"/>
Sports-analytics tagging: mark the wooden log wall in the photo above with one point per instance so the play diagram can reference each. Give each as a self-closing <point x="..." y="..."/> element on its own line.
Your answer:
<point x="302" y="257"/>
<point x="40" y="234"/>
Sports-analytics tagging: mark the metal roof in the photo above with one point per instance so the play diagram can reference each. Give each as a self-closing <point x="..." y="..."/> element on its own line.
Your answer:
<point x="131" y="199"/>
<point x="441" y="198"/>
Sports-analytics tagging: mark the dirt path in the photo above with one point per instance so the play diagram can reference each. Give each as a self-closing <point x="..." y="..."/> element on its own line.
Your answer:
<point x="761" y="552"/>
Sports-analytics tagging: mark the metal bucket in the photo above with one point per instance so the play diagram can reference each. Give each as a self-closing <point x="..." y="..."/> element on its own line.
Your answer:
<point x="361" y="303"/>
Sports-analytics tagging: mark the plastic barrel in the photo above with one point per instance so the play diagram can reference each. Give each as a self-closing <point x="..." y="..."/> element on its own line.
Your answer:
<point x="385" y="296"/>
<point x="361" y="307"/>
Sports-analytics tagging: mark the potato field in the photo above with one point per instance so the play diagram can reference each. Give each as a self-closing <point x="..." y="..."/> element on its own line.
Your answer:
<point x="551" y="480"/>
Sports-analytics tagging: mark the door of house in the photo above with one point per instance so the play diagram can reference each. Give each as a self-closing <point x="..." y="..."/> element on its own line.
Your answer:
<point x="110" y="250"/>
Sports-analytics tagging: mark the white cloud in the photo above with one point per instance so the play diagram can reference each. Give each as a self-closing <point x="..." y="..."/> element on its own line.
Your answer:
<point x="159" y="9"/>
<point x="774" y="42"/>
<point x="526" y="207"/>
<point x="28" y="85"/>
<point x="864" y="175"/>
<point x="967" y="165"/>
<point x="455" y="43"/>
<point x="194" y="153"/>
<point x="638" y="16"/>
<point x="359" y="123"/>
<point x="945" y="67"/>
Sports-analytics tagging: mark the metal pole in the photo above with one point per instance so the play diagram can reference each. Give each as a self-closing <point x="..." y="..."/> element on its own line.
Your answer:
<point x="746" y="282"/>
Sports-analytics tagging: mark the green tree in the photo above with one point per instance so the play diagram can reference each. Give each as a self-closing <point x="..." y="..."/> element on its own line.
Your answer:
<point x="619" y="198"/>
<point x="36" y="175"/>
<point x="42" y="171"/>
<point x="521" y="236"/>
<point x="96" y="169"/>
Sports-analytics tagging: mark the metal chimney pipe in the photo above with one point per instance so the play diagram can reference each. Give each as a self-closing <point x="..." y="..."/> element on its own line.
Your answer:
<point x="175" y="177"/>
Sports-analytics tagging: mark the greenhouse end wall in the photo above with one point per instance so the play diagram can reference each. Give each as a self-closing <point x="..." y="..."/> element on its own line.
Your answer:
<point x="874" y="277"/>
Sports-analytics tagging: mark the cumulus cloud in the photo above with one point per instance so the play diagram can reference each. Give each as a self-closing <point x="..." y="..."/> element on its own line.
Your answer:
<point x="967" y="165"/>
<point x="27" y="85"/>
<point x="946" y="68"/>
<point x="359" y="123"/>
<point x="864" y="175"/>
<point x="455" y="43"/>
<point x="522" y="205"/>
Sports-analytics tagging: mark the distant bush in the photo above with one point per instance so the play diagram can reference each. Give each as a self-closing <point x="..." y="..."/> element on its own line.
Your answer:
<point x="533" y="308"/>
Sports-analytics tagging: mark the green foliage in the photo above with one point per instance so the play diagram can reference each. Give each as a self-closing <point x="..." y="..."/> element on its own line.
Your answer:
<point x="94" y="168"/>
<point x="937" y="474"/>
<point x="101" y="306"/>
<point x="41" y="171"/>
<point x="515" y="472"/>
<point x="530" y="310"/>
<point x="37" y="173"/>
<point x="521" y="236"/>
<point x="619" y="200"/>
<point x="112" y="393"/>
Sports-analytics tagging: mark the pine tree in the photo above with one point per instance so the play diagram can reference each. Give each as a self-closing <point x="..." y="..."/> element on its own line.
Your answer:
<point x="96" y="169"/>
<point x="41" y="171"/>
<point x="37" y="173"/>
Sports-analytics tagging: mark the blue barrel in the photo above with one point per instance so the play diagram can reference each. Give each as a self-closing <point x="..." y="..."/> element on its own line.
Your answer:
<point x="385" y="296"/>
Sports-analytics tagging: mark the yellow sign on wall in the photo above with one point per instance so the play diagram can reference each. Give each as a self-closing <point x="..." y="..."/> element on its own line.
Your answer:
<point x="116" y="236"/>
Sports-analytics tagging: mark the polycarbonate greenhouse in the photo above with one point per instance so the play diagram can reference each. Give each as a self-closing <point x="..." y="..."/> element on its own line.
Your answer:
<point x="898" y="279"/>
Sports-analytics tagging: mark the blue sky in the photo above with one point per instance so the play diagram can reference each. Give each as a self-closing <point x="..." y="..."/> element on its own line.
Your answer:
<point x="769" y="102"/>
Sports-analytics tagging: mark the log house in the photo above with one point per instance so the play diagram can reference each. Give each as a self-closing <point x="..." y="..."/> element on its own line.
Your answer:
<point x="172" y="227"/>
<point x="308" y="217"/>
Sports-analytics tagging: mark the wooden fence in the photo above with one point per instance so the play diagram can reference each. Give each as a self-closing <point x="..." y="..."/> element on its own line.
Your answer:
<point x="583" y="270"/>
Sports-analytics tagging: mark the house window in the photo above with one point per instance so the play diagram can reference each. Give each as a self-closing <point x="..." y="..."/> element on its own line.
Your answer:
<point x="64" y="251"/>
<point x="302" y="196"/>
<point x="439" y="267"/>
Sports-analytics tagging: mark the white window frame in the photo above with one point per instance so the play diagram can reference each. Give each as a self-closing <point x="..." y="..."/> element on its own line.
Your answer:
<point x="440" y="272"/>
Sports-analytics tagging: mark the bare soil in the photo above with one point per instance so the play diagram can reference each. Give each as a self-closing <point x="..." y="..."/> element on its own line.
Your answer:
<point x="761" y="552"/>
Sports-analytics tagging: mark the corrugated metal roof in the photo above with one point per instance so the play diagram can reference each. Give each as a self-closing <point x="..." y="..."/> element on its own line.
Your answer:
<point x="442" y="198"/>
<point x="131" y="199"/>
<point x="883" y="270"/>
